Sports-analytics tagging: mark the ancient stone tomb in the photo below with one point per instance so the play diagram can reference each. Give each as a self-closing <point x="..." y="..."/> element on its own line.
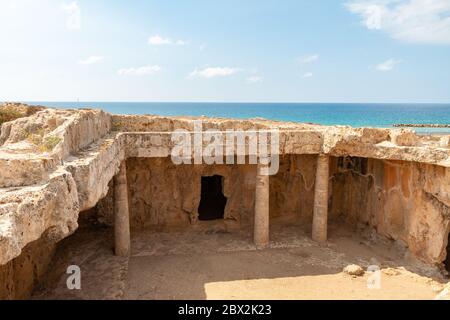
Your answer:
<point x="119" y="170"/>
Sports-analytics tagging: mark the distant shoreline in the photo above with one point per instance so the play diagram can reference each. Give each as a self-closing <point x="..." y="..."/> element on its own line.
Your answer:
<point x="420" y="125"/>
<point x="329" y="114"/>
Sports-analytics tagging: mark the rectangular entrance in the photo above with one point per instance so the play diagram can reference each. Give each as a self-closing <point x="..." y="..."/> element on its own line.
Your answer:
<point x="213" y="202"/>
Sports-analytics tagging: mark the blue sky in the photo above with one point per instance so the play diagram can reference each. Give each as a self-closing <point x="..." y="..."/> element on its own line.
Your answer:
<point x="202" y="50"/>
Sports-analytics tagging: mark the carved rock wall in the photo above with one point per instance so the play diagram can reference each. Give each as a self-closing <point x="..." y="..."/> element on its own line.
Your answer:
<point x="20" y="276"/>
<point x="404" y="201"/>
<point x="164" y="194"/>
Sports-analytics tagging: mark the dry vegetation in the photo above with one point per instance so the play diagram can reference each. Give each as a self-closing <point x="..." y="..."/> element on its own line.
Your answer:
<point x="8" y="114"/>
<point x="43" y="143"/>
<point x="13" y="111"/>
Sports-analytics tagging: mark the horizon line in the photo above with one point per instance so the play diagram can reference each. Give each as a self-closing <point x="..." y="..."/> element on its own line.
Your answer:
<point x="217" y="102"/>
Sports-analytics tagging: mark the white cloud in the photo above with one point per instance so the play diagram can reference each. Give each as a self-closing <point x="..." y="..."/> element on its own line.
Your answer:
<point x="308" y="59"/>
<point x="254" y="79"/>
<point x="157" y="40"/>
<point x="73" y="12"/>
<point x="213" y="72"/>
<point x="415" y="21"/>
<point x="387" y="65"/>
<point x="140" y="71"/>
<point x="91" y="60"/>
<point x="307" y="75"/>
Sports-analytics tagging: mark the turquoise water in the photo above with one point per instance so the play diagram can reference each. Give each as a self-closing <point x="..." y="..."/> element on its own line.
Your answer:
<point x="356" y="115"/>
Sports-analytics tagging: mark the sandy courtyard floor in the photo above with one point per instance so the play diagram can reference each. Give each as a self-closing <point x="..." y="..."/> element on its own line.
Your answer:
<point x="214" y="264"/>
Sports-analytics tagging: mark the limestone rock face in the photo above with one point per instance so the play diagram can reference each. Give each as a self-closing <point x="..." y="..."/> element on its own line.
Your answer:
<point x="93" y="168"/>
<point x="445" y="142"/>
<point x="19" y="276"/>
<point x="37" y="192"/>
<point x="162" y="193"/>
<point x="404" y="201"/>
<point x="35" y="145"/>
<point x="404" y="137"/>
<point x="26" y="213"/>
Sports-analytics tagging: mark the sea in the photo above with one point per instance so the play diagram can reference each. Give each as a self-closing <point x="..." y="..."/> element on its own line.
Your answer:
<point x="349" y="114"/>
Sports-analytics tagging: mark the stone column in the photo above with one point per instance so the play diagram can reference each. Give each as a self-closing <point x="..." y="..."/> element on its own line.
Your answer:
<point x="261" y="227"/>
<point x="121" y="213"/>
<point x="320" y="218"/>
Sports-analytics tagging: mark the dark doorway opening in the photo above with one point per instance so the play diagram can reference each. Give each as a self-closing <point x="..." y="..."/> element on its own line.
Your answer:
<point x="447" y="260"/>
<point x="213" y="202"/>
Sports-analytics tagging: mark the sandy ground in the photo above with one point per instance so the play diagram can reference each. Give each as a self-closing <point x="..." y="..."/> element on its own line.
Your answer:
<point x="214" y="264"/>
